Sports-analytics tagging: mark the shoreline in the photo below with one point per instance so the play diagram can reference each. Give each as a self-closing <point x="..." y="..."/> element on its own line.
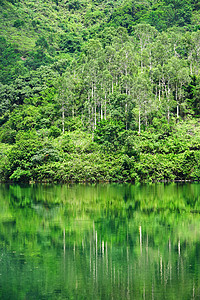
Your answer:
<point x="99" y="182"/>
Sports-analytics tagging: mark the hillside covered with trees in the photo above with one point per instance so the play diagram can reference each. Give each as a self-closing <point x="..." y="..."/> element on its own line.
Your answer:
<point x="99" y="90"/>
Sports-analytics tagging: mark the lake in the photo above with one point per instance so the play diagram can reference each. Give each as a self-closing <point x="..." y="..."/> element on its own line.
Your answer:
<point x="105" y="241"/>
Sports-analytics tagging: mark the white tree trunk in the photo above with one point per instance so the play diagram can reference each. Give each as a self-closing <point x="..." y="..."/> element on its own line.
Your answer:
<point x="105" y="108"/>
<point x="139" y="122"/>
<point x="63" y="119"/>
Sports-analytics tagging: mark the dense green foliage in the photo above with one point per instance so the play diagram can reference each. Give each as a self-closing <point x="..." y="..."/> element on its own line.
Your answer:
<point x="99" y="90"/>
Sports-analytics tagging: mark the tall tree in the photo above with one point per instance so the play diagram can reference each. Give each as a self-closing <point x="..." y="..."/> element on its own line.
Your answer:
<point x="142" y="97"/>
<point x="145" y="33"/>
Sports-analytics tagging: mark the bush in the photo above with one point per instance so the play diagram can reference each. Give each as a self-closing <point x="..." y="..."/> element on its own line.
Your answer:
<point x="54" y="131"/>
<point x="20" y="175"/>
<point x="18" y="23"/>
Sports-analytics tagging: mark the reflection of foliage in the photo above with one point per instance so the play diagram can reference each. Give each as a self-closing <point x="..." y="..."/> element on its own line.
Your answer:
<point x="96" y="234"/>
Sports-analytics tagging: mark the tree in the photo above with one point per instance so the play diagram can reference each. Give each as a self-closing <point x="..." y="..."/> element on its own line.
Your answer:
<point x="65" y="97"/>
<point x="142" y="97"/>
<point x="145" y="34"/>
<point x="179" y="77"/>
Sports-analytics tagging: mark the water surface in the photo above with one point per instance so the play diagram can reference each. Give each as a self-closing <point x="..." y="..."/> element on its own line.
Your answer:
<point x="100" y="242"/>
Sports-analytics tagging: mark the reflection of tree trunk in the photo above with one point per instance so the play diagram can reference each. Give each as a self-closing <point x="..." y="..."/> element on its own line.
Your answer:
<point x="106" y="257"/>
<point x="140" y="230"/>
<point x="96" y="258"/>
<point x="152" y="291"/>
<point x="74" y="249"/>
<point x="64" y="241"/>
<point x="193" y="291"/>
<point x="64" y="251"/>
<point x="128" y="283"/>
<point x="147" y="246"/>
<point x="90" y="258"/>
<point x="102" y="248"/>
<point x="161" y="272"/>
<point x="144" y="293"/>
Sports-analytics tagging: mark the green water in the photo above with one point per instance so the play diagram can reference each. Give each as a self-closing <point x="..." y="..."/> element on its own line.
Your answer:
<point x="100" y="242"/>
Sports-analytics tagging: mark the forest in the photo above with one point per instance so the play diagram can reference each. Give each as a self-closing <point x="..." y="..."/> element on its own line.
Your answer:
<point x="94" y="91"/>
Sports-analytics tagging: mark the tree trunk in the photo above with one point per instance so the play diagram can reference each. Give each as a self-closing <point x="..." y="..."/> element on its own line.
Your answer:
<point x="95" y="115"/>
<point x="191" y="73"/>
<point x="146" y="123"/>
<point x="63" y="119"/>
<point x="168" y="113"/>
<point x="92" y="91"/>
<point x="126" y="106"/>
<point x="92" y="119"/>
<point x="141" y="60"/>
<point x="139" y="121"/>
<point x="95" y="108"/>
<point x="177" y="107"/>
<point x="159" y="91"/>
<point x="101" y="110"/>
<point x="105" y="108"/>
<point x="177" y="110"/>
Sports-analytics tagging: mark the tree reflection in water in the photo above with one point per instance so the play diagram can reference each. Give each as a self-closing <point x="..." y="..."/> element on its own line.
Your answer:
<point x="102" y="241"/>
